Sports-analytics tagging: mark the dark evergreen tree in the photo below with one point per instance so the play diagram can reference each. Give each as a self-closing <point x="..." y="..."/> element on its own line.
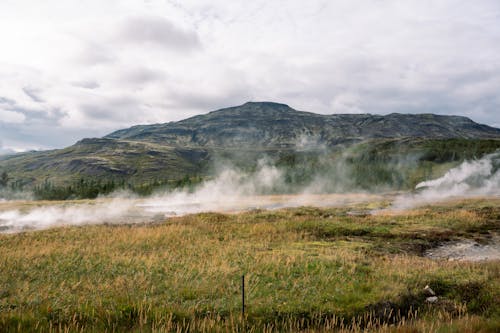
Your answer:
<point x="4" y="179"/>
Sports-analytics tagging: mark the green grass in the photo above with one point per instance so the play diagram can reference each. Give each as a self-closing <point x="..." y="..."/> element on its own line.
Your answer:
<point x="306" y="269"/>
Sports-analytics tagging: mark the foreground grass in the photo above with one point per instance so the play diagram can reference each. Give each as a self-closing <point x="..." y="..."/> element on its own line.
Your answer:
<point x="306" y="269"/>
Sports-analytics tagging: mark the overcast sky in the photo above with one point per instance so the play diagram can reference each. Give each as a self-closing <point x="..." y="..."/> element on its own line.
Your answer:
<point x="73" y="69"/>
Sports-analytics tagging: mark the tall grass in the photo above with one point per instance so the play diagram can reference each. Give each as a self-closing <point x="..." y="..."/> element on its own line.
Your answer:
<point x="306" y="269"/>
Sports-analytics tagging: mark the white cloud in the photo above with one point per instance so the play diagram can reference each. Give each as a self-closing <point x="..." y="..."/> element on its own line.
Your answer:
<point x="11" y="117"/>
<point x="5" y="150"/>
<point x="156" y="30"/>
<point x="90" y="68"/>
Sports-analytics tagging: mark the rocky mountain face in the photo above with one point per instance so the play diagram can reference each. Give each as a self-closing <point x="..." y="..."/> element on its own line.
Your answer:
<point x="267" y="124"/>
<point x="176" y="149"/>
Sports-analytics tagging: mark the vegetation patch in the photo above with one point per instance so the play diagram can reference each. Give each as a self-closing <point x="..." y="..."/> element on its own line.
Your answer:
<point x="305" y="269"/>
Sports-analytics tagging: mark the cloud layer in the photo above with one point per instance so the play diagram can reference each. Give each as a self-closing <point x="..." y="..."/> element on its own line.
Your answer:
<point x="76" y="70"/>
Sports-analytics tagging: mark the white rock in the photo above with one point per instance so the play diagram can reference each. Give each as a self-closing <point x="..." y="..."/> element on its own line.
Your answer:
<point x="429" y="291"/>
<point x="432" y="299"/>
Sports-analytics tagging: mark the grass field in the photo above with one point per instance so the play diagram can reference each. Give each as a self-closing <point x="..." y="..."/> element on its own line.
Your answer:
<point x="306" y="269"/>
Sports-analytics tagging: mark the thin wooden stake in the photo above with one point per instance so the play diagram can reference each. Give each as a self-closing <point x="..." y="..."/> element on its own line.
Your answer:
<point x="243" y="296"/>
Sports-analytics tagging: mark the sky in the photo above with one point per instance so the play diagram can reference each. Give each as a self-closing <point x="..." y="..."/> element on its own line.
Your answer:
<point x="73" y="69"/>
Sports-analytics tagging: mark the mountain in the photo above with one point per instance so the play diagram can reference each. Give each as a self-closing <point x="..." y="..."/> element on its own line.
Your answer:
<point x="243" y="134"/>
<point x="266" y="124"/>
<point x="104" y="159"/>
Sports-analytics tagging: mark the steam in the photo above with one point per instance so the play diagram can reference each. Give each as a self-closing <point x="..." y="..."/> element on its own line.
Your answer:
<point x="75" y="214"/>
<point x="234" y="190"/>
<point x="7" y="194"/>
<point x="231" y="191"/>
<point x="310" y="143"/>
<point x="225" y="192"/>
<point x="469" y="179"/>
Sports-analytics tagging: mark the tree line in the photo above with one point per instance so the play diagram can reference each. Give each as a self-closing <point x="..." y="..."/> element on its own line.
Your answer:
<point x="92" y="188"/>
<point x="85" y="188"/>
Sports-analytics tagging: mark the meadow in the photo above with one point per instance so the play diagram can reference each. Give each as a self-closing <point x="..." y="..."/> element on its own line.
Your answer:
<point x="306" y="269"/>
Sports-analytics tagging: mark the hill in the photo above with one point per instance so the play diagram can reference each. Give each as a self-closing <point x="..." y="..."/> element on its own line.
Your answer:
<point x="266" y="124"/>
<point x="397" y="150"/>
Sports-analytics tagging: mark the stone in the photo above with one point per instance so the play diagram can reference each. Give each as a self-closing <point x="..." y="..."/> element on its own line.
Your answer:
<point x="432" y="299"/>
<point x="428" y="291"/>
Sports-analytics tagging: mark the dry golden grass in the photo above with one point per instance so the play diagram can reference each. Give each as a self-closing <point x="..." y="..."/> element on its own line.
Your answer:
<point x="306" y="269"/>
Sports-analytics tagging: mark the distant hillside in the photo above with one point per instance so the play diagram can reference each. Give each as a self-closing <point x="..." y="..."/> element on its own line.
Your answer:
<point x="397" y="149"/>
<point x="105" y="158"/>
<point x="266" y="124"/>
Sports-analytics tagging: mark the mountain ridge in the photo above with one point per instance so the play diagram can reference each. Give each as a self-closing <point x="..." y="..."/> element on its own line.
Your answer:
<point x="276" y="124"/>
<point x="243" y="134"/>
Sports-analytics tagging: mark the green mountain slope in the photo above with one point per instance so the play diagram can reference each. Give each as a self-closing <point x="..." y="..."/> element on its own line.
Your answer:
<point x="397" y="149"/>
<point x="105" y="159"/>
<point x="268" y="124"/>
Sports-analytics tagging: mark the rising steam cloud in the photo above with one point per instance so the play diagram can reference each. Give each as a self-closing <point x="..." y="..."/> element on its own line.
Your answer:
<point x="227" y="192"/>
<point x="233" y="190"/>
<point x="469" y="179"/>
<point x="55" y="215"/>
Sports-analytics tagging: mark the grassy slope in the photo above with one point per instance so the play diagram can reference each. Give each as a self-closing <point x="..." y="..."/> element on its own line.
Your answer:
<point x="390" y="163"/>
<point x="104" y="159"/>
<point x="303" y="267"/>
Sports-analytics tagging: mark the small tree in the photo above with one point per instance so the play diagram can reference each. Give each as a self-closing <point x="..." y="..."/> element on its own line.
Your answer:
<point x="4" y="179"/>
